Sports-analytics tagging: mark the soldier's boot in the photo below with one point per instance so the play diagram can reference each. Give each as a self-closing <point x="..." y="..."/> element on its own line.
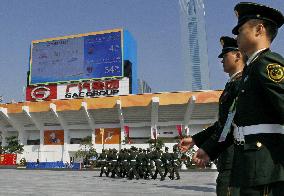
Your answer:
<point x="165" y="174"/>
<point x="155" y="175"/>
<point x="112" y="174"/>
<point x="101" y="174"/>
<point x="130" y="176"/>
<point x="146" y="176"/>
<point x="151" y="174"/>
<point x="162" y="178"/>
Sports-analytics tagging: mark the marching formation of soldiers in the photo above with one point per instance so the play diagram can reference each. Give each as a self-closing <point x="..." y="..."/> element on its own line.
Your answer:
<point x="140" y="163"/>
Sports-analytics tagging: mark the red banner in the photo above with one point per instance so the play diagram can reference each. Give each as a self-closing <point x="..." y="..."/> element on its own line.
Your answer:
<point x="179" y="129"/>
<point x="108" y="135"/>
<point x="8" y="159"/>
<point x="126" y="132"/>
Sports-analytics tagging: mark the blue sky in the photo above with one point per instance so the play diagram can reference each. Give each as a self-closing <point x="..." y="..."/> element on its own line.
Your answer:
<point x="155" y="24"/>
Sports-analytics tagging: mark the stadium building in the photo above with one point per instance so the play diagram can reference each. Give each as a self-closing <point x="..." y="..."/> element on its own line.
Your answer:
<point x="86" y="85"/>
<point x="52" y="130"/>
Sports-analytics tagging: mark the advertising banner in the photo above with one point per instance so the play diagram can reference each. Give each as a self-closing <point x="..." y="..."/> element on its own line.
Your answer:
<point x="53" y="137"/>
<point x="108" y="136"/>
<point x="87" y="56"/>
<point x="8" y="159"/>
<point x="86" y="89"/>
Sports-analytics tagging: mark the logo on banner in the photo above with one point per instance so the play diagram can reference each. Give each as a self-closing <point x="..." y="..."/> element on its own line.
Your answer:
<point x="40" y="93"/>
<point x="92" y="89"/>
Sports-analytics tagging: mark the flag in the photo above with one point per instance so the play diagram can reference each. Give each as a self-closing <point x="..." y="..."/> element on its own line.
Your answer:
<point x="179" y="130"/>
<point x="187" y="131"/>
<point x="154" y="133"/>
<point x="126" y="132"/>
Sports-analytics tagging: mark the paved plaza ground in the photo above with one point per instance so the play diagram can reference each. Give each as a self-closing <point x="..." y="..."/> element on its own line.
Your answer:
<point x="57" y="183"/>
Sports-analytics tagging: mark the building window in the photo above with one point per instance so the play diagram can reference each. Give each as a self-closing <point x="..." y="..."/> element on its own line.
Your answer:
<point x="33" y="142"/>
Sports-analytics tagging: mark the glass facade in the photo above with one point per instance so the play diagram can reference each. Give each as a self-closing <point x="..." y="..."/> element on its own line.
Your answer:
<point x="194" y="45"/>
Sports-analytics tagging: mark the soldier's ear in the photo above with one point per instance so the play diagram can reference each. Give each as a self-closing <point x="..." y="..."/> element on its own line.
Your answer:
<point x="259" y="29"/>
<point x="238" y="56"/>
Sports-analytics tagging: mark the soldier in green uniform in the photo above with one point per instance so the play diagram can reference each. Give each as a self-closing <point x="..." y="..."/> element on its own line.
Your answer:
<point x="175" y="164"/>
<point x="166" y="159"/>
<point x="148" y="164"/>
<point x="139" y="163"/>
<point x="108" y="162"/>
<point x="157" y="155"/>
<point x="124" y="169"/>
<point x="144" y="164"/>
<point x="258" y="167"/>
<point x="233" y="63"/>
<point x="114" y="164"/>
<point x="102" y="162"/>
<point x="132" y="172"/>
<point x="120" y="158"/>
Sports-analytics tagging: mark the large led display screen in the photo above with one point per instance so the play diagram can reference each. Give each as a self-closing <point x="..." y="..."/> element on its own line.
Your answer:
<point x="88" y="56"/>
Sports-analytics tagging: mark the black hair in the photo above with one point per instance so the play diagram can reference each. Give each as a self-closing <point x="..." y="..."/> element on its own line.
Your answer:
<point x="271" y="28"/>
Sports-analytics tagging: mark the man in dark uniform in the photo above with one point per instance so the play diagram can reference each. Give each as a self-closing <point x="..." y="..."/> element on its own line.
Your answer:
<point x="102" y="162"/>
<point x="148" y="164"/>
<point x="114" y="164"/>
<point x="175" y="162"/>
<point x="108" y="162"/>
<point x="166" y="159"/>
<point x="139" y="163"/>
<point x="233" y="63"/>
<point x="132" y="172"/>
<point x="120" y="158"/>
<point x="124" y="169"/>
<point x="157" y="155"/>
<point x="258" y="167"/>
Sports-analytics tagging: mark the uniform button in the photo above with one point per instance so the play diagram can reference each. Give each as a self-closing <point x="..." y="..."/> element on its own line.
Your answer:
<point x="258" y="144"/>
<point x="243" y="91"/>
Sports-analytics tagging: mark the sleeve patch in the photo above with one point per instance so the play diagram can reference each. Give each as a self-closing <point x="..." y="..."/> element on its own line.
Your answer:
<point x="275" y="72"/>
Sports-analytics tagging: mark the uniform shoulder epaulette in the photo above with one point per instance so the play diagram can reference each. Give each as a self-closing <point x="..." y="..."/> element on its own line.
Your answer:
<point x="274" y="57"/>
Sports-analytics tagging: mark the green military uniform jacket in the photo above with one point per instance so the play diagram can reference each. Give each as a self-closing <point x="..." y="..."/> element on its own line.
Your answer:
<point x="225" y="101"/>
<point x="261" y="101"/>
<point x="175" y="159"/>
<point x="260" y="160"/>
<point x="166" y="158"/>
